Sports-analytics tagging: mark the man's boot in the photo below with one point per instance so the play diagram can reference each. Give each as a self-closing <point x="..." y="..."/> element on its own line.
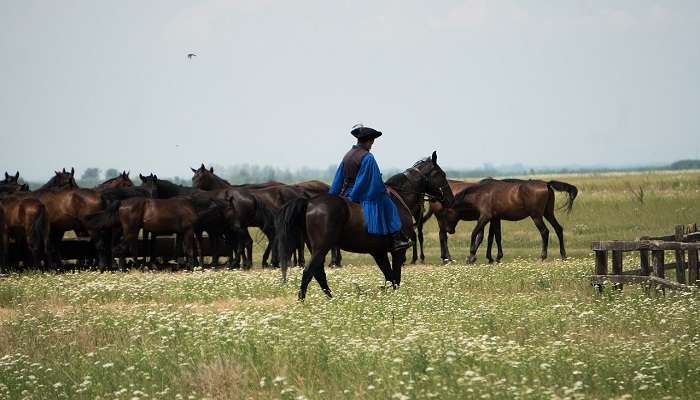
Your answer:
<point x="398" y="243"/>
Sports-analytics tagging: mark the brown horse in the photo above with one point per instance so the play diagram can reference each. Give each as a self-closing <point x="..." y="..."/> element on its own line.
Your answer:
<point x="448" y="217"/>
<point x="67" y="206"/>
<point x="176" y="215"/>
<point x="272" y="194"/>
<point x="26" y="221"/>
<point x="250" y="211"/>
<point x="120" y="181"/>
<point x="206" y="179"/>
<point x="513" y="200"/>
<point x="326" y="221"/>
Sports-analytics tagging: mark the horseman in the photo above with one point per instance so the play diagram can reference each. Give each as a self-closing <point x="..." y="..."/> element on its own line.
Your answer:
<point x="359" y="179"/>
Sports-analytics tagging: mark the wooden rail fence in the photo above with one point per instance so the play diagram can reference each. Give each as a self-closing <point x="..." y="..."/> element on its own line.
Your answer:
<point x="684" y="244"/>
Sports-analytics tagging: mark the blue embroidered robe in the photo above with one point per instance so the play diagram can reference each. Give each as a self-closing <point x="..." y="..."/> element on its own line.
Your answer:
<point x="381" y="215"/>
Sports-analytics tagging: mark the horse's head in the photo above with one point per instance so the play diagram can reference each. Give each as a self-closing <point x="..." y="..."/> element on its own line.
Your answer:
<point x="203" y="177"/>
<point x="62" y="180"/>
<point x="120" y="181"/>
<point x="435" y="180"/>
<point x="10" y="178"/>
<point x="150" y="183"/>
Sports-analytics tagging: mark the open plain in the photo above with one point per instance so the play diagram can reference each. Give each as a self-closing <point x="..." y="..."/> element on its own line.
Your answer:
<point x="519" y="329"/>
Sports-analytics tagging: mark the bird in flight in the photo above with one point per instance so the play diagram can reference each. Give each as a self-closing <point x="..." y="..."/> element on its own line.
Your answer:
<point x="190" y="55"/>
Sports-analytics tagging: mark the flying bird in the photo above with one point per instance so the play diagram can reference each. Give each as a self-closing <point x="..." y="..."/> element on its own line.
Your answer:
<point x="190" y="55"/>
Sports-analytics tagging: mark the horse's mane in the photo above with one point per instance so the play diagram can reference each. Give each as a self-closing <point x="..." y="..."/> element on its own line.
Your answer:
<point x="51" y="185"/>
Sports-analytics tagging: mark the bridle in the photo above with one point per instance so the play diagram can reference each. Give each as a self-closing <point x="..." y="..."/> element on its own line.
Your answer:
<point x="424" y="183"/>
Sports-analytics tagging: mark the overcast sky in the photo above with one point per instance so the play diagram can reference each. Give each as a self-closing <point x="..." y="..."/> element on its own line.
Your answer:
<point x="108" y="84"/>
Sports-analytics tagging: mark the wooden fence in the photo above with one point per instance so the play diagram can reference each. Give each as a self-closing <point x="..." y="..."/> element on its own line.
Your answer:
<point x="684" y="244"/>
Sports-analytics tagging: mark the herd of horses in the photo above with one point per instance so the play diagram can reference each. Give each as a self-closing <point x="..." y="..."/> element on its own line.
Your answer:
<point x="291" y="216"/>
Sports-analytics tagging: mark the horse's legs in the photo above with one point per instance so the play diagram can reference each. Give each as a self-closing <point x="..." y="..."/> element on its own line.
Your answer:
<point x="444" y="249"/>
<point x="312" y="270"/>
<point x="188" y="248"/>
<point x="397" y="261"/>
<point x="414" y="240"/>
<point x="420" y="241"/>
<point x="477" y="237"/>
<point x="559" y="231"/>
<point x="497" y="224"/>
<point x="489" y="242"/>
<point x="382" y="260"/>
<point x="336" y="257"/>
<point x="198" y="259"/>
<point x="544" y="232"/>
<point x="56" y="238"/>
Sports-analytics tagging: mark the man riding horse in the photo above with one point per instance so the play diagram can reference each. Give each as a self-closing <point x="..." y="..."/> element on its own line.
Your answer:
<point x="359" y="179"/>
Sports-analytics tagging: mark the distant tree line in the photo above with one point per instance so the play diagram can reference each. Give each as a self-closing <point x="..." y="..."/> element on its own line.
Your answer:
<point x="246" y="173"/>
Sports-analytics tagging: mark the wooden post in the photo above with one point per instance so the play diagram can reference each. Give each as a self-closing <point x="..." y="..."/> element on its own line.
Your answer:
<point x="680" y="266"/>
<point x="679" y="232"/>
<point x="617" y="266"/>
<point x="601" y="266"/>
<point x="644" y="260"/>
<point x="657" y="259"/>
<point x="693" y="273"/>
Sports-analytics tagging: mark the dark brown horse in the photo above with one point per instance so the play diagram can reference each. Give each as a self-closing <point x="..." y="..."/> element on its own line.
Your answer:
<point x="67" y="206"/>
<point x="176" y="215"/>
<point x="513" y="200"/>
<point x="448" y="217"/>
<point x="326" y="221"/>
<point x="272" y="194"/>
<point x="120" y="181"/>
<point x="250" y="211"/>
<point x="25" y="219"/>
<point x="206" y="179"/>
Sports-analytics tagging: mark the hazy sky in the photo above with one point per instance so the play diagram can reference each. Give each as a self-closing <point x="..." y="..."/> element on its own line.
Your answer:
<point x="108" y="84"/>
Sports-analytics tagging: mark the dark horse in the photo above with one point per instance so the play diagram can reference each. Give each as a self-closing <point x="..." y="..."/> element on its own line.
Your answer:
<point x="272" y="194"/>
<point x="326" y="221"/>
<point x="67" y="206"/>
<point x="448" y="217"/>
<point x="513" y="200"/>
<point x="25" y="220"/>
<point x="120" y="181"/>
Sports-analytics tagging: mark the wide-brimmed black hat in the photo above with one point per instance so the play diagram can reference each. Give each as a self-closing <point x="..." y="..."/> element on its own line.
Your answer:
<point x="364" y="132"/>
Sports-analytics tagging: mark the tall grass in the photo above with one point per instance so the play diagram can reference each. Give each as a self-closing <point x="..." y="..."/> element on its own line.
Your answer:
<point x="520" y="329"/>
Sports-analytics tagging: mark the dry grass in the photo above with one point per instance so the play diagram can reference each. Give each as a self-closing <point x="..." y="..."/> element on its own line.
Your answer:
<point x="219" y="379"/>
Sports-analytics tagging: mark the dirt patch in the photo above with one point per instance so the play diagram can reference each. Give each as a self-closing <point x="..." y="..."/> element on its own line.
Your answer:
<point x="7" y="314"/>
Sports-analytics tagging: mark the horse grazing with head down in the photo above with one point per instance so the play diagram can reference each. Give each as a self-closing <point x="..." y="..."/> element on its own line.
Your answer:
<point x="326" y="221"/>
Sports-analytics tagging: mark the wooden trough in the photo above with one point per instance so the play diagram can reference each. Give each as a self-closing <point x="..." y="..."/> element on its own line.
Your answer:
<point x="684" y="242"/>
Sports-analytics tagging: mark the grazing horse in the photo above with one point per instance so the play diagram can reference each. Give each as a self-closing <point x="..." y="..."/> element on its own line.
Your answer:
<point x="513" y="200"/>
<point x="326" y="221"/>
<point x="448" y="217"/>
<point x="26" y="220"/>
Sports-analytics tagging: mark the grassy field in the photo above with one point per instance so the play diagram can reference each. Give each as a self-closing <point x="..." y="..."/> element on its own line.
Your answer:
<point x="520" y="329"/>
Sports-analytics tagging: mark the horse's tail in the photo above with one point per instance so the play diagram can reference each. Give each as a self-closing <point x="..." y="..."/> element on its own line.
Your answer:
<point x="105" y="219"/>
<point x="290" y="227"/>
<point x="565" y="187"/>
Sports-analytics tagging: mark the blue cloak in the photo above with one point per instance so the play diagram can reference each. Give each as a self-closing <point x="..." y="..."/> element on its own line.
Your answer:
<point x="381" y="215"/>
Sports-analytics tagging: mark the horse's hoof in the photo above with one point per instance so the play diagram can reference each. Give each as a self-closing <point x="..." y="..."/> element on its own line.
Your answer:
<point x="471" y="259"/>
